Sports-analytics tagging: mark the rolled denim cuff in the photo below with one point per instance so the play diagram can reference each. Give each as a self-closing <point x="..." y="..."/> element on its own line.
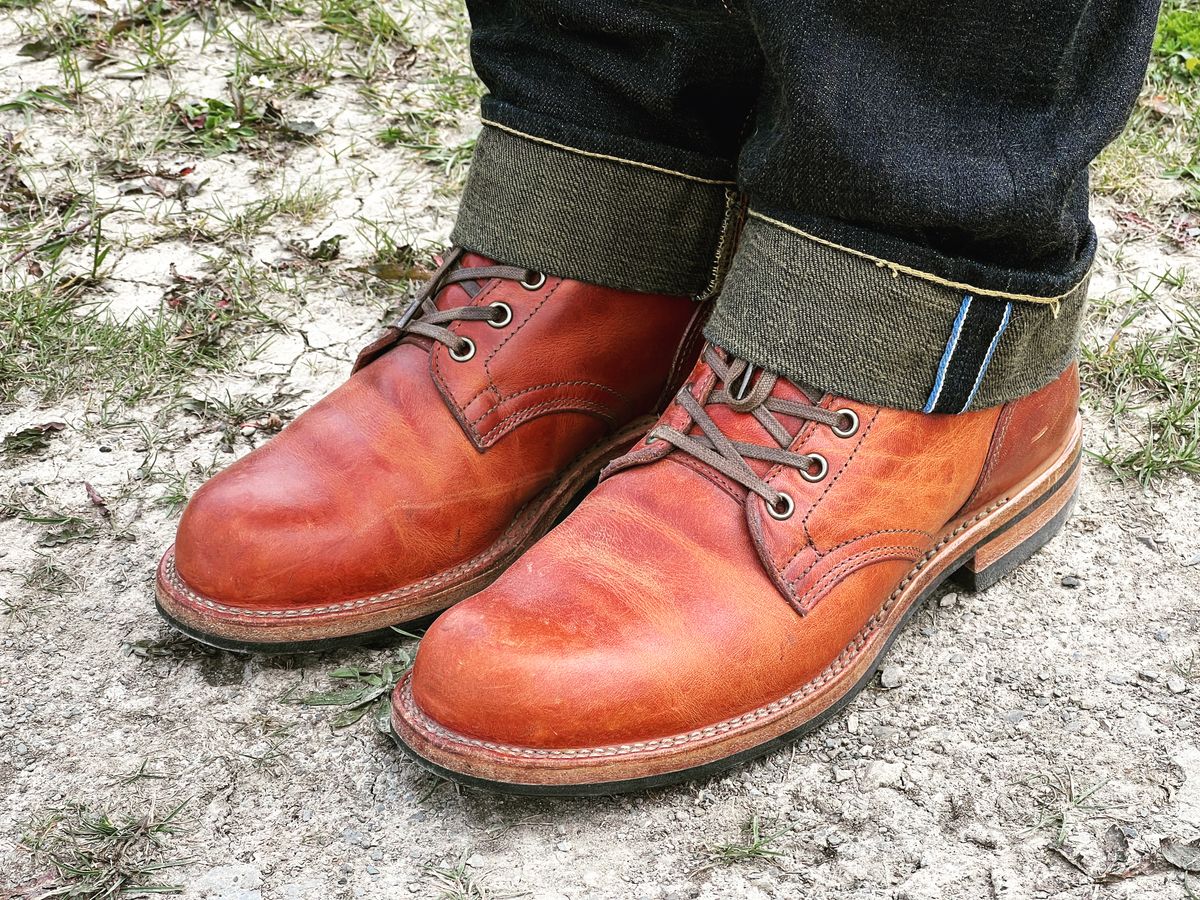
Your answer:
<point x="530" y="201"/>
<point x="883" y="333"/>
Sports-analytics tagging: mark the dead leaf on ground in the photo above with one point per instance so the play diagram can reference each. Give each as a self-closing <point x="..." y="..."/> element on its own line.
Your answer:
<point x="97" y="501"/>
<point x="33" y="438"/>
<point x="1181" y="855"/>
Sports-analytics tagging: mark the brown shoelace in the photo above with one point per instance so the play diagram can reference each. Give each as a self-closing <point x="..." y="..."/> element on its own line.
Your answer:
<point x="728" y="457"/>
<point x="424" y="318"/>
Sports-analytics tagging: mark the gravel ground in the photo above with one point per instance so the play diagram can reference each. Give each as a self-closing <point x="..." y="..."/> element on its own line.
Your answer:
<point x="1040" y="740"/>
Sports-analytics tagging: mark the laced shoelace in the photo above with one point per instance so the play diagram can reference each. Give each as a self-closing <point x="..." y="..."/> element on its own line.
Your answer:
<point x="423" y="317"/>
<point x="728" y="457"/>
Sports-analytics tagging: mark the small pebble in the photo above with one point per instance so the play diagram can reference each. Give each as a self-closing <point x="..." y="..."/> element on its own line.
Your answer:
<point x="891" y="677"/>
<point x="1176" y="684"/>
<point x="1119" y="676"/>
<point x="1071" y="581"/>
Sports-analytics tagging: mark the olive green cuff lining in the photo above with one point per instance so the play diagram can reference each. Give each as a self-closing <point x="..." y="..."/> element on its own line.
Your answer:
<point x="865" y="330"/>
<point x="535" y="203"/>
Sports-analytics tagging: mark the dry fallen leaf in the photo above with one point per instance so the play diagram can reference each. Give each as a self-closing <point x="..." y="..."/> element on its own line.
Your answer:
<point x="1181" y="855"/>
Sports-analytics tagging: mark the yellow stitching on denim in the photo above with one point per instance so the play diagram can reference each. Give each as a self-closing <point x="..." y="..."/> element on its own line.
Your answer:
<point x="616" y="159"/>
<point x="1053" y="302"/>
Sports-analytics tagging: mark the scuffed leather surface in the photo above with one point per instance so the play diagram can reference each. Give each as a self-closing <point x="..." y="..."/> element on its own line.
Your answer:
<point x="418" y="462"/>
<point x="669" y="600"/>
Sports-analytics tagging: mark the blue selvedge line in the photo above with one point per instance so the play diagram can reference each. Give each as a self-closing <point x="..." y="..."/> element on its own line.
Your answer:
<point x="951" y="346"/>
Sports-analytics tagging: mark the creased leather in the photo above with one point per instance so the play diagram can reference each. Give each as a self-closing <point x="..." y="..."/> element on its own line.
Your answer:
<point x="669" y="601"/>
<point x="417" y="462"/>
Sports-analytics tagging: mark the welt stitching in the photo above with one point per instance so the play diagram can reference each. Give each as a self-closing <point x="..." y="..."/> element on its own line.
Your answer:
<point x="840" y="662"/>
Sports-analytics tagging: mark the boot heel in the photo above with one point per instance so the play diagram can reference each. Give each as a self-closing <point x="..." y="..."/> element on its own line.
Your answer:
<point x="1004" y="552"/>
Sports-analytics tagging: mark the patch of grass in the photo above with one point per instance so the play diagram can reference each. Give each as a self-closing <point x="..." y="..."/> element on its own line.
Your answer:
<point x="302" y="204"/>
<point x="33" y="439"/>
<point x="219" y="127"/>
<point x="1059" y="804"/>
<point x="1177" y="43"/>
<point x="54" y="343"/>
<point x="235" y="413"/>
<point x="1188" y="666"/>
<point x="61" y="527"/>
<point x="359" y="692"/>
<point x="1142" y="369"/>
<point x="1162" y="137"/>
<point x="281" y="57"/>
<point x="458" y="882"/>
<point x="428" y="117"/>
<point x="43" y="581"/>
<point x="93" y="855"/>
<point x="756" y="846"/>
<point x="169" y="646"/>
<point x="40" y="99"/>
<point x="47" y="577"/>
<point x="364" y="22"/>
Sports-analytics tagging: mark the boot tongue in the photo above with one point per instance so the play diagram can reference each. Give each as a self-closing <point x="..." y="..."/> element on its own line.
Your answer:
<point x="456" y="294"/>
<point x="449" y="297"/>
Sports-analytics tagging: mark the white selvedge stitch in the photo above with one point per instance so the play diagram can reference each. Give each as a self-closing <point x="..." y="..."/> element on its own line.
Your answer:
<point x="840" y="662"/>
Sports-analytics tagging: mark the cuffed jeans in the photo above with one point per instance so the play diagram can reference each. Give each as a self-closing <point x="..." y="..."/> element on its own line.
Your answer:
<point x="889" y="199"/>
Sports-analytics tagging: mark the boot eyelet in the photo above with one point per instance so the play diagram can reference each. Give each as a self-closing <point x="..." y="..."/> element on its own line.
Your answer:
<point x="822" y="468"/>
<point x="504" y="312"/>
<point x="535" y="282"/>
<point x="466" y="353"/>
<point x="781" y="509"/>
<point x="850" y="430"/>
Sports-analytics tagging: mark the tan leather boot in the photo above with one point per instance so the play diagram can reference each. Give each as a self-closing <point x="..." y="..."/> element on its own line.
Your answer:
<point x="460" y="437"/>
<point x="732" y="582"/>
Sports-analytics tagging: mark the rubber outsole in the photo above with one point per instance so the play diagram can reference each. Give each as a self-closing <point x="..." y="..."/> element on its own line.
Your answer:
<point x="381" y="637"/>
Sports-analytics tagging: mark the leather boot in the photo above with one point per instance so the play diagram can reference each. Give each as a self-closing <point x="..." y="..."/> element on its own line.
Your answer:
<point x="733" y="581"/>
<point x="461" y="436"/>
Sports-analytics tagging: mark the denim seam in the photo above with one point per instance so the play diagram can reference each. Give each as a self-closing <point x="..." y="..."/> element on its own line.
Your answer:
<point x="917" y="273"/>
<point x="617" y="159"/>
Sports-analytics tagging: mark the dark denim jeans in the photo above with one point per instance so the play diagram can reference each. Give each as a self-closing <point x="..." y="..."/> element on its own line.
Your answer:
<point x="913" y="174"/>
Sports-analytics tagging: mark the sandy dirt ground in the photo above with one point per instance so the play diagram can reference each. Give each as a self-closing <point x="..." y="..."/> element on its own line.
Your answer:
<point x="1040" y="740"/>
